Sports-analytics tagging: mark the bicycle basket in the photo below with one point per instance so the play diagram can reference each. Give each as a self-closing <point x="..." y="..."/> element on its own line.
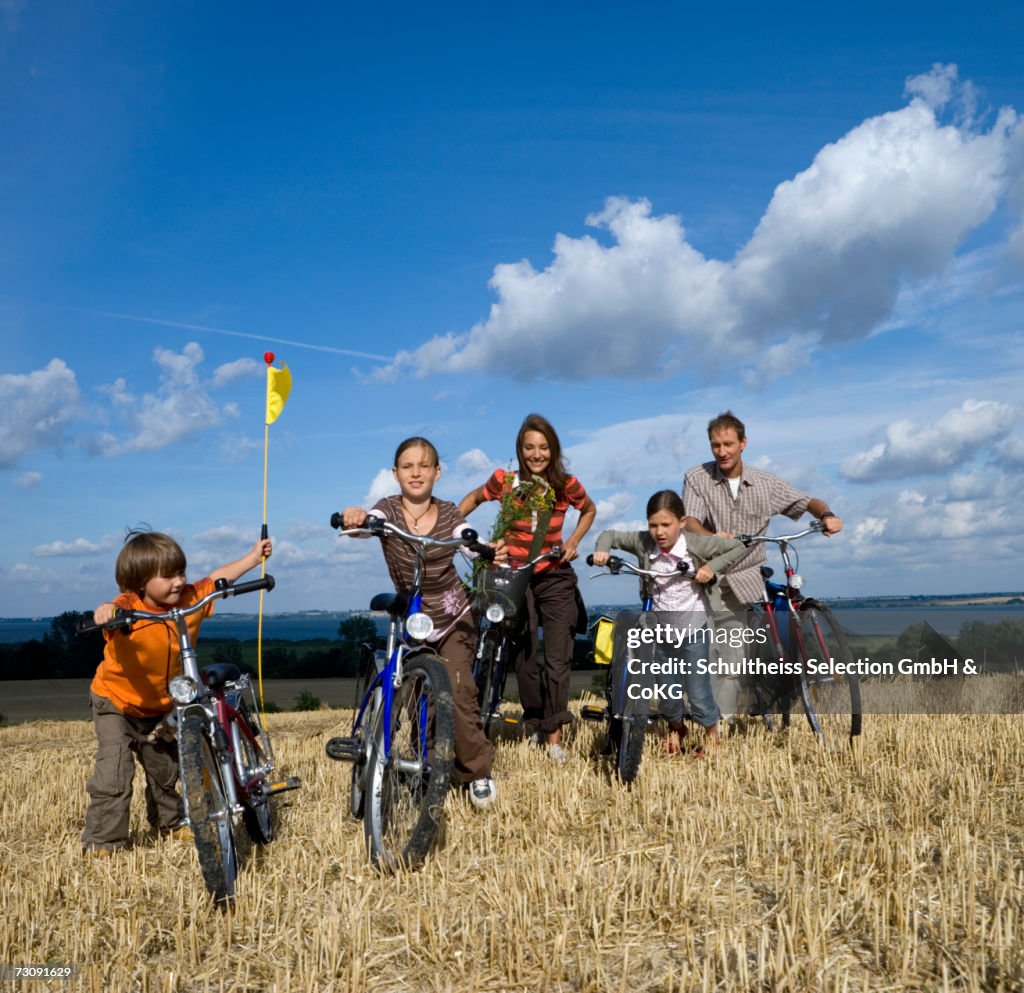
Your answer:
<point x="502" y="587"/>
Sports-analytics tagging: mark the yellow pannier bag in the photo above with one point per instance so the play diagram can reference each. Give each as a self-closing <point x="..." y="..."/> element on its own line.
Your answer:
<point x="604" y="640"/>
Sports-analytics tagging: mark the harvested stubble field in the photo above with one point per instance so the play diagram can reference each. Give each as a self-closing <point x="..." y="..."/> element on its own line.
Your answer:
<point x="776" y="866"/>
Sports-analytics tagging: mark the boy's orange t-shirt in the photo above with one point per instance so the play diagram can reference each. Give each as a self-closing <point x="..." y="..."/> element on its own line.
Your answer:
<point x="138" y="664"/>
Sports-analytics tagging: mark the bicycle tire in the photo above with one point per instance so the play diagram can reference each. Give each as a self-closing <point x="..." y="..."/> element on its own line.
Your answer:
<point x="249" y="757"/>
<point x="208" y="810"/>
<point x="631" y="748"/>
<point x="489" y="682"/>
<point x="357" y="783"/>
<point x="835" y="698"/>
<point x="772" y="695"/>
<point x="404" y="803"/>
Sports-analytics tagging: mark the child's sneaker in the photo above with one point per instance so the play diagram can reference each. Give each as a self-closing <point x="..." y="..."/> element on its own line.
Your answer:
<point x="557" y="754"/>
<point x="483" y="793"/>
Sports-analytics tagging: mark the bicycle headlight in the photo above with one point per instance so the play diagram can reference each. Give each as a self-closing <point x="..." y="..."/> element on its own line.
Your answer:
<point x="419" y="626"/>
<point x="495" y="613"/>
<point x="796" y="581"/>
<point x="183" y="689"/>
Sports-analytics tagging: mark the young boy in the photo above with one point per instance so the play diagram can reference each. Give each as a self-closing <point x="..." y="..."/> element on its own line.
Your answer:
<point x="129" y="692"/>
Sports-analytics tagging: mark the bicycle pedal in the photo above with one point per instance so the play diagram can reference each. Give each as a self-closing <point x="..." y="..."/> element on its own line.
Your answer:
<point x="344" y="749"/>
<point x="283" y="785"/>
<point x="591" y="713"/>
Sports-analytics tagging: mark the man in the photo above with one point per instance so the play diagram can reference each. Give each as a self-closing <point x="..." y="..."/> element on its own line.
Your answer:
<point x="728" y="498"/>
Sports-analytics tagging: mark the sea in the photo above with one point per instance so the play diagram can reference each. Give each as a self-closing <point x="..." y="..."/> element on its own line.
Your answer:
<point x="324" y="624"/>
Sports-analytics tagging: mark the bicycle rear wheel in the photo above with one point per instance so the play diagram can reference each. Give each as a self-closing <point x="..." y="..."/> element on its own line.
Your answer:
<point x="834" y="697"/>
<point x="208" y="810"/>
<point x="251" y="764"/>
<point x="405" y="793"/>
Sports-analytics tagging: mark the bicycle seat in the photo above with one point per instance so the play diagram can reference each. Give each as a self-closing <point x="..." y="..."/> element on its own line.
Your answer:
<point x="216" y="675"/>
<point x="394" y="603"/>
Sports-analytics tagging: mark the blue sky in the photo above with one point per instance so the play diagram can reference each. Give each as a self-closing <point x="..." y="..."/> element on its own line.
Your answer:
<point x="626" y="217"/>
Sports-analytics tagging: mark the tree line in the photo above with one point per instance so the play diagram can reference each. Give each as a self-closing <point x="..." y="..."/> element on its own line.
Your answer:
<point x="997" y="646"/>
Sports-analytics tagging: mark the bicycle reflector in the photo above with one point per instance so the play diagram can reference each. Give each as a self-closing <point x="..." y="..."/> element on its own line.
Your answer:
<point x="183" y="689"/>
<point x="495" y="613"/>
<point x="419" y="626"/>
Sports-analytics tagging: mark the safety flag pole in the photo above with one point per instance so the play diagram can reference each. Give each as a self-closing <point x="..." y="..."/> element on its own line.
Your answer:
<point x="279" y="385"/>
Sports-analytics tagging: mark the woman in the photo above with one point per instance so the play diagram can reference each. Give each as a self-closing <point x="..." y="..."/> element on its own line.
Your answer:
<point x="533" y="506"/>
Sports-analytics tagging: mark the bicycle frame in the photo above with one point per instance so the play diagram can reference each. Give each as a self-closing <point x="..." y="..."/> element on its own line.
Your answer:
<point x="501" y="617"/>
<point x="401" y="643"/>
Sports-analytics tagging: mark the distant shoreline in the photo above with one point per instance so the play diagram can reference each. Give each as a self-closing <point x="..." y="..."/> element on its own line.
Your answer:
<point x="863" y="615"/>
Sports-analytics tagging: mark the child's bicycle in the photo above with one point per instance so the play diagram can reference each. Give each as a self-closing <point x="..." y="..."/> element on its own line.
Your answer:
<point x="402" y="742"/>
<point x="499" y="599"/>
<point x="225" y="758"/>
<point x="803" y="633"/>
<point x="626" y="714"/>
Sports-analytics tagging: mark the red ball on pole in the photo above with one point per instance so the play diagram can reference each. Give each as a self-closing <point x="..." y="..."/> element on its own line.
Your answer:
<point x="268" y="357"/>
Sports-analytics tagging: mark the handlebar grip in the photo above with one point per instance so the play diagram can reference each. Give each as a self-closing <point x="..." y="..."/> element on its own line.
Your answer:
<point x="266" y="583"/>
<point x="746" y="539"/>
<point x="590" y="560"/>
<point x="121" y="619"/>
<point x="336" y="520"/>
<point x="683" y="567"/>
<point x="486" y="552"/>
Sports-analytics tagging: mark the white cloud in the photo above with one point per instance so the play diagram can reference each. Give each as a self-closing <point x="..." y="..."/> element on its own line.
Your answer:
<point x="35" y="409"/>
<point x="1011" y="451"/>
<point x="644" y="455"/>
<point x="383" y="485"/>
<point x="178" y="409"/>
<point x="613" y="508"/>
<point x="240" y="368"/>
<point x="912" y="449"/>
<point x="28" y="480"/>
<point x="878" y="211"/>
<point x="76" y="548"/>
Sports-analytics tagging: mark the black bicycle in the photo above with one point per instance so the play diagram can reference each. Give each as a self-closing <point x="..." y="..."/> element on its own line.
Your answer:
<point x="630" y="704"/>
<point x="499" y="600"/>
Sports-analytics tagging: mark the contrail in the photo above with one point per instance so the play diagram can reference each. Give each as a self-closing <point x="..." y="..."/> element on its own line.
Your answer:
<point x="245" y="334"/>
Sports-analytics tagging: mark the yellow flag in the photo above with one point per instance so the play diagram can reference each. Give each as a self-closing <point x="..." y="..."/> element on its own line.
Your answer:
<point x="279" y="385"/>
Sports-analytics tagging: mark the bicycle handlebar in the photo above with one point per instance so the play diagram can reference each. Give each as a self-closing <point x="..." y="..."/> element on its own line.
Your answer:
<point x="615" y="565"/>
<point x="125" y="618"/>
<point x="749" y="539"/>
<point x="377" y="526"/>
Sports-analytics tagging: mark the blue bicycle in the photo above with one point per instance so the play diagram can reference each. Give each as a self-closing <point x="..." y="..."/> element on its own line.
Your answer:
<point x="402" y="742"/>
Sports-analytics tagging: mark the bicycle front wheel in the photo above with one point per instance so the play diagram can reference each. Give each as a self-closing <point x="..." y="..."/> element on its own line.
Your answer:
<point x="488" y="678"/>
<point x="406" y="790"/>
<point x="208" y="810"/>
<point x="631" y="747"/>
<point x="834" y="696"/>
